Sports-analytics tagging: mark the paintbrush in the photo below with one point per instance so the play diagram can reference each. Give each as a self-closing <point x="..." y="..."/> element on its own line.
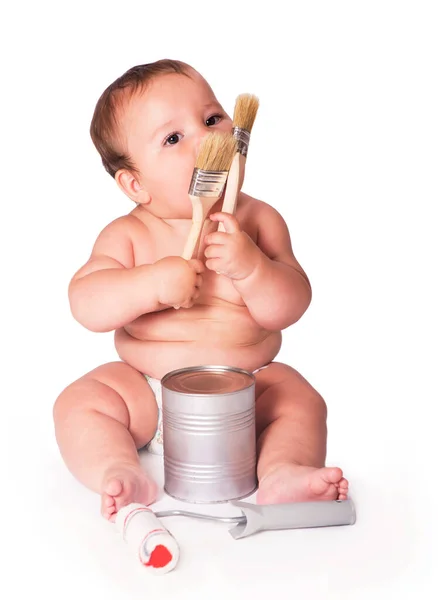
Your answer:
<point x="208" y="181"/>
<point x="245" y="112"/>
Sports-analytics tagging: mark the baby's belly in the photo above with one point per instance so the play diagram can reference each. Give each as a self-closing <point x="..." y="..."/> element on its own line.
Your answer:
<point x="223" y="334"/>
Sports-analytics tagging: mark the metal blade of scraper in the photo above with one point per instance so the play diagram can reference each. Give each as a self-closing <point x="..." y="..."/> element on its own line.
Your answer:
<point x="296" y="515"/>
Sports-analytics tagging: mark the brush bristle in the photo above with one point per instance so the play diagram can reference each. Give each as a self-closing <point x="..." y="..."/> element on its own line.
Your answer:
<point x="216" y="152"/>
<point x="245" y="111"/>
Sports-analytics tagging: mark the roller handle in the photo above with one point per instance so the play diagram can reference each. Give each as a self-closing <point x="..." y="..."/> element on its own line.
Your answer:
<point x="293" y="516"/>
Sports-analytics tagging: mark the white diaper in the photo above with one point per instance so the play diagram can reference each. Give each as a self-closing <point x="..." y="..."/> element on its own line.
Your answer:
<point x="155" y="446"/>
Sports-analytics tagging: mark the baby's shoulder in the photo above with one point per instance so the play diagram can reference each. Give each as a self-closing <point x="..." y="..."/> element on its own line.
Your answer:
<point x="119" y="238"/>
<point x="127" y="226"/>
<point x="254" y="211"/>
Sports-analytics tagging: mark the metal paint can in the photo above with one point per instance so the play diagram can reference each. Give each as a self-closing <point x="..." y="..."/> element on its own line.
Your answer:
<point x="209" y="434"/>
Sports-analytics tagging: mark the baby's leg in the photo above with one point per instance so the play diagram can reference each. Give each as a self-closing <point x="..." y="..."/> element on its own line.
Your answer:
<point x="292" y="437"/>
<point x="100" y="422"/>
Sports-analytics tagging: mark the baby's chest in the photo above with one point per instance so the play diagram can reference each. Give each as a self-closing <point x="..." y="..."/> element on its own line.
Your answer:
<point x="214" y="287"/>
<point x="218" y="287"/>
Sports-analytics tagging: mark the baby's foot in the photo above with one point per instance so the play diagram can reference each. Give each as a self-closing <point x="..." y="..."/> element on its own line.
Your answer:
<point x="123" y="484"/>
<point x="295" y="483"/>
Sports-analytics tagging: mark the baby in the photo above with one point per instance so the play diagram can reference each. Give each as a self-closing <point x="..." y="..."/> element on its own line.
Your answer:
<point x="235" y="298"/>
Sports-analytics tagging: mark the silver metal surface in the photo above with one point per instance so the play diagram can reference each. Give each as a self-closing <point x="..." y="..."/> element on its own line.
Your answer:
<point x="185" y="513"/>
<point x="209" y="435"/>
<point x="208" y="379"/>
<point x="242" y="136"/>
<point x="208" y="184"/>
<point x="296" y="515"/>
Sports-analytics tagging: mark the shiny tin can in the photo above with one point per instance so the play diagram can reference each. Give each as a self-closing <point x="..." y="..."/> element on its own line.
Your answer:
<point x="209" y="434"/>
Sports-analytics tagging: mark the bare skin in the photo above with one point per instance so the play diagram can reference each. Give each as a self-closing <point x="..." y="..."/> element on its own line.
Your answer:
<point x="233" y="318"/>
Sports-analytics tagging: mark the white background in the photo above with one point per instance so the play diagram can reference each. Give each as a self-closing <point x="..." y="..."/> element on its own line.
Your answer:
<point x="345" y="147"/>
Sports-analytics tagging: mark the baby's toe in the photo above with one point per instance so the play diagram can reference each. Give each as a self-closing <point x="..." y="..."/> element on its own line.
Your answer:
<point x="343" y="489"/>
<point x="113" y="487"/>
<point x="112" y="490"/>
<point x="332" y="474"/>
<point x="107" y="500"/>
<point x="108" y="506"/>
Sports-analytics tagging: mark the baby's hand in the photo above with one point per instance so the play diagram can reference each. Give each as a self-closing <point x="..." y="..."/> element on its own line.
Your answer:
<point x="178" y="281"/>
<point x="231" y="253"/>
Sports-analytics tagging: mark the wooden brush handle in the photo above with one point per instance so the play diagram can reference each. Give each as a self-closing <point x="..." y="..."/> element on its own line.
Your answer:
<point x="201" y="207"/>
<point x="192" y="240"/>
<point x="232" y="190"/>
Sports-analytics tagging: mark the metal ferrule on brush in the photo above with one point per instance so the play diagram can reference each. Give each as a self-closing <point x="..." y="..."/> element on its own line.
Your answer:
<point x="209" y="184"/>
<point x="242" y="136"/>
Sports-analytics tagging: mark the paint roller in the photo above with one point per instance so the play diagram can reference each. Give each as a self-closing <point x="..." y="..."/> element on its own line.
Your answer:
<point x="158" y="550"/>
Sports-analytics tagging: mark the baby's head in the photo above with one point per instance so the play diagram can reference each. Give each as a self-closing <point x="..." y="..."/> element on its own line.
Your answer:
<point x="147" y="127"/>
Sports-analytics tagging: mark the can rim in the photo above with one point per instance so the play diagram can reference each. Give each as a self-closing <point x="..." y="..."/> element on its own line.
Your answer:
<point x="208" y="368"/>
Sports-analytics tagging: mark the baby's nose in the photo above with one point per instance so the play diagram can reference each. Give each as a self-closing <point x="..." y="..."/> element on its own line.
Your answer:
<point x="198" y="142"/>
<point x="199" y="139"/>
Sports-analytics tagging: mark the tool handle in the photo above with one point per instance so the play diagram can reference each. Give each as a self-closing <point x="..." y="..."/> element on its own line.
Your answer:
<point x="201" y="207"/>
<point x="232" y="189"/>
<point x="294" y="516"/>
<point x="192" y="240"/>
<point x="306" y="514"/>
<point x="199" y="210"/>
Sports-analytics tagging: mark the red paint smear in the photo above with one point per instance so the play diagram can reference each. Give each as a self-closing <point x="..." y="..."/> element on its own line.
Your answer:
<point x="160" y="557"/>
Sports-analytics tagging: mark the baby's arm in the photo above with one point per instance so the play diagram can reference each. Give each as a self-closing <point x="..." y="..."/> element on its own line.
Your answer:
<point x="109" y="291"/>
<point x="278" y="292"/>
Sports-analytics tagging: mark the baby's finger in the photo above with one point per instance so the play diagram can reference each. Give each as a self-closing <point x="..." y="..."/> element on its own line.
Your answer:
<point x="215" y="264"/>
<point x="214" y="251"/>
<point x="217" y="237"/>
<point x="198" y="265"/>
<point x="198" y="281"/>
<point x="230" y="222"/>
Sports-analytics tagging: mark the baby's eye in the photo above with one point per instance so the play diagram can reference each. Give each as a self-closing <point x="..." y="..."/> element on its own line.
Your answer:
<point x="213" y="120"/>
<point x="172" y="139"/>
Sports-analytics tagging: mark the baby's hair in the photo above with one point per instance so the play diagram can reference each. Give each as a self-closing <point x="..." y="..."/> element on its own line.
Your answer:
<point x="103" y="128"/>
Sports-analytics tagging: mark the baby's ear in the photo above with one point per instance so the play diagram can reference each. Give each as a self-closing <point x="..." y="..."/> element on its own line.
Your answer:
<point x="130" y="186"/>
